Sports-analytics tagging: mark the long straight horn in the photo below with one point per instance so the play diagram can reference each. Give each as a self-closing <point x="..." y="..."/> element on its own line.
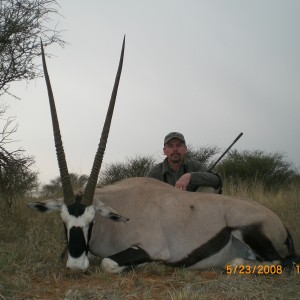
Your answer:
<point x="61" y="158"/>
<point x="92" y="182"/>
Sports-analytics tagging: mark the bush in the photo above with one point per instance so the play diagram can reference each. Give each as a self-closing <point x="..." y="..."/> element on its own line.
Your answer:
<point x="16" y="176"/>
<point x="269" y="169"/>
<point x="137" y="166"/>
<point x="54" y="188"/>
<point x="206" y="154"/>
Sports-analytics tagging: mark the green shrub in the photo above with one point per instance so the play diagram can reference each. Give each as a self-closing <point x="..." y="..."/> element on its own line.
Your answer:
<point x="54" y="188"/>
<point x="205" y="154"/>
<point x="272" y="170"/>
<point x="137" y="166"/>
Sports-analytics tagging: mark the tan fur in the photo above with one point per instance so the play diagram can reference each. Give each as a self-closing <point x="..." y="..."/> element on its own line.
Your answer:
<point x="169" y="223"/>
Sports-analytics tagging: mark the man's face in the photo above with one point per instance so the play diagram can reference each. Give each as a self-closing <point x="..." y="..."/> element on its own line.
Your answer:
<point x="175" y="150"/>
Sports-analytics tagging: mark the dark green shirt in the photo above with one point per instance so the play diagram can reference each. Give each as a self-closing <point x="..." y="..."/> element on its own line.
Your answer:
<point x="199" y="174"/>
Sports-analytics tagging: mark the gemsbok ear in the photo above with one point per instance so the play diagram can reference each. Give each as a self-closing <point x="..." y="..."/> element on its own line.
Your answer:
<point x="47" y="206"/>
<point x="108" y="212"/>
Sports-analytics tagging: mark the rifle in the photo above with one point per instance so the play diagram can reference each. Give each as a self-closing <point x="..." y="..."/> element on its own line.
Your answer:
<point x="217" y="161"/>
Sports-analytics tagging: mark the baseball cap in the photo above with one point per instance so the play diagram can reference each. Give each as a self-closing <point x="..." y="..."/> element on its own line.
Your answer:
<point x="174" y="135"/>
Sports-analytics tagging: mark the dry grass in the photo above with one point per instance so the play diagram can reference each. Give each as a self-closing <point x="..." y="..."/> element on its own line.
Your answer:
<point x="30" y="266"/>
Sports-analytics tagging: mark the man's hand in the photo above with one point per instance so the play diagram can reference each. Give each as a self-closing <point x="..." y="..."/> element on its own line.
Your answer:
<point x="183" y="181"/>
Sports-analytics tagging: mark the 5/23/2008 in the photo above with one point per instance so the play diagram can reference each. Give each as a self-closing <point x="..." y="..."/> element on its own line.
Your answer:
<point x="257" y="269"/>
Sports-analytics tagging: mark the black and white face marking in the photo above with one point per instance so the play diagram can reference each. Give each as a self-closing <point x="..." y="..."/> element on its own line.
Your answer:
<point x="78" y="221"/>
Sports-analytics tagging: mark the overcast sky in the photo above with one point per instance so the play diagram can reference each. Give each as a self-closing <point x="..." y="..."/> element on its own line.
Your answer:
<point x="209" y="69"/>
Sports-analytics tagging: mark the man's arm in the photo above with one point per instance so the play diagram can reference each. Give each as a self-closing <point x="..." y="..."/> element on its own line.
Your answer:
<point x="205" y="179"/>
<point x="198" y="175"/>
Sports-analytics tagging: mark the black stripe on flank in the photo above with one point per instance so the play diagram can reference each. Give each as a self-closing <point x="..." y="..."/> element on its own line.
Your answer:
<point x="253" y="236"/>
<point x="131" y="257"/>
<point x="208" y="249"/>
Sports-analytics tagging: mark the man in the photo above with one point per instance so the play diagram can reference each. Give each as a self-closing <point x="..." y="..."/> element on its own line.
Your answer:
<point x="183" y="173"/>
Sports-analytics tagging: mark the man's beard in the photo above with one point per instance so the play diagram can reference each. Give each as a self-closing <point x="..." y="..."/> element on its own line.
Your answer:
<point x="176" y="158"/>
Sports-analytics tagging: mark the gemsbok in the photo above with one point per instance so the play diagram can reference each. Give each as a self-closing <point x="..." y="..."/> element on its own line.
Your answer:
<point x="140" y="220"/>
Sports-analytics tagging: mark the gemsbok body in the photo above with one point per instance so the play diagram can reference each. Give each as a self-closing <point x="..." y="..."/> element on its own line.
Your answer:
<point x="140" y="220"/>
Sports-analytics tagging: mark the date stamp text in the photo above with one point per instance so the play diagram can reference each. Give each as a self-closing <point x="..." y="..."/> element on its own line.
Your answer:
<point x="257" y="269"/>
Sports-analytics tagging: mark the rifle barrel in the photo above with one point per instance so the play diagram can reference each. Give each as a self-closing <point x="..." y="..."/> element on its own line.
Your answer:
<point x="236" y="139"/>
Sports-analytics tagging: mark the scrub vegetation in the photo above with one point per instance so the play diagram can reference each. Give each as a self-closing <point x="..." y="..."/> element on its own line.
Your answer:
<point x="31" y="267"/>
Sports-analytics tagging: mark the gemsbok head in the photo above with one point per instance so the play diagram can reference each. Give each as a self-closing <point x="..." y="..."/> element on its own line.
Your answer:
<point x="77" y="211"/>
